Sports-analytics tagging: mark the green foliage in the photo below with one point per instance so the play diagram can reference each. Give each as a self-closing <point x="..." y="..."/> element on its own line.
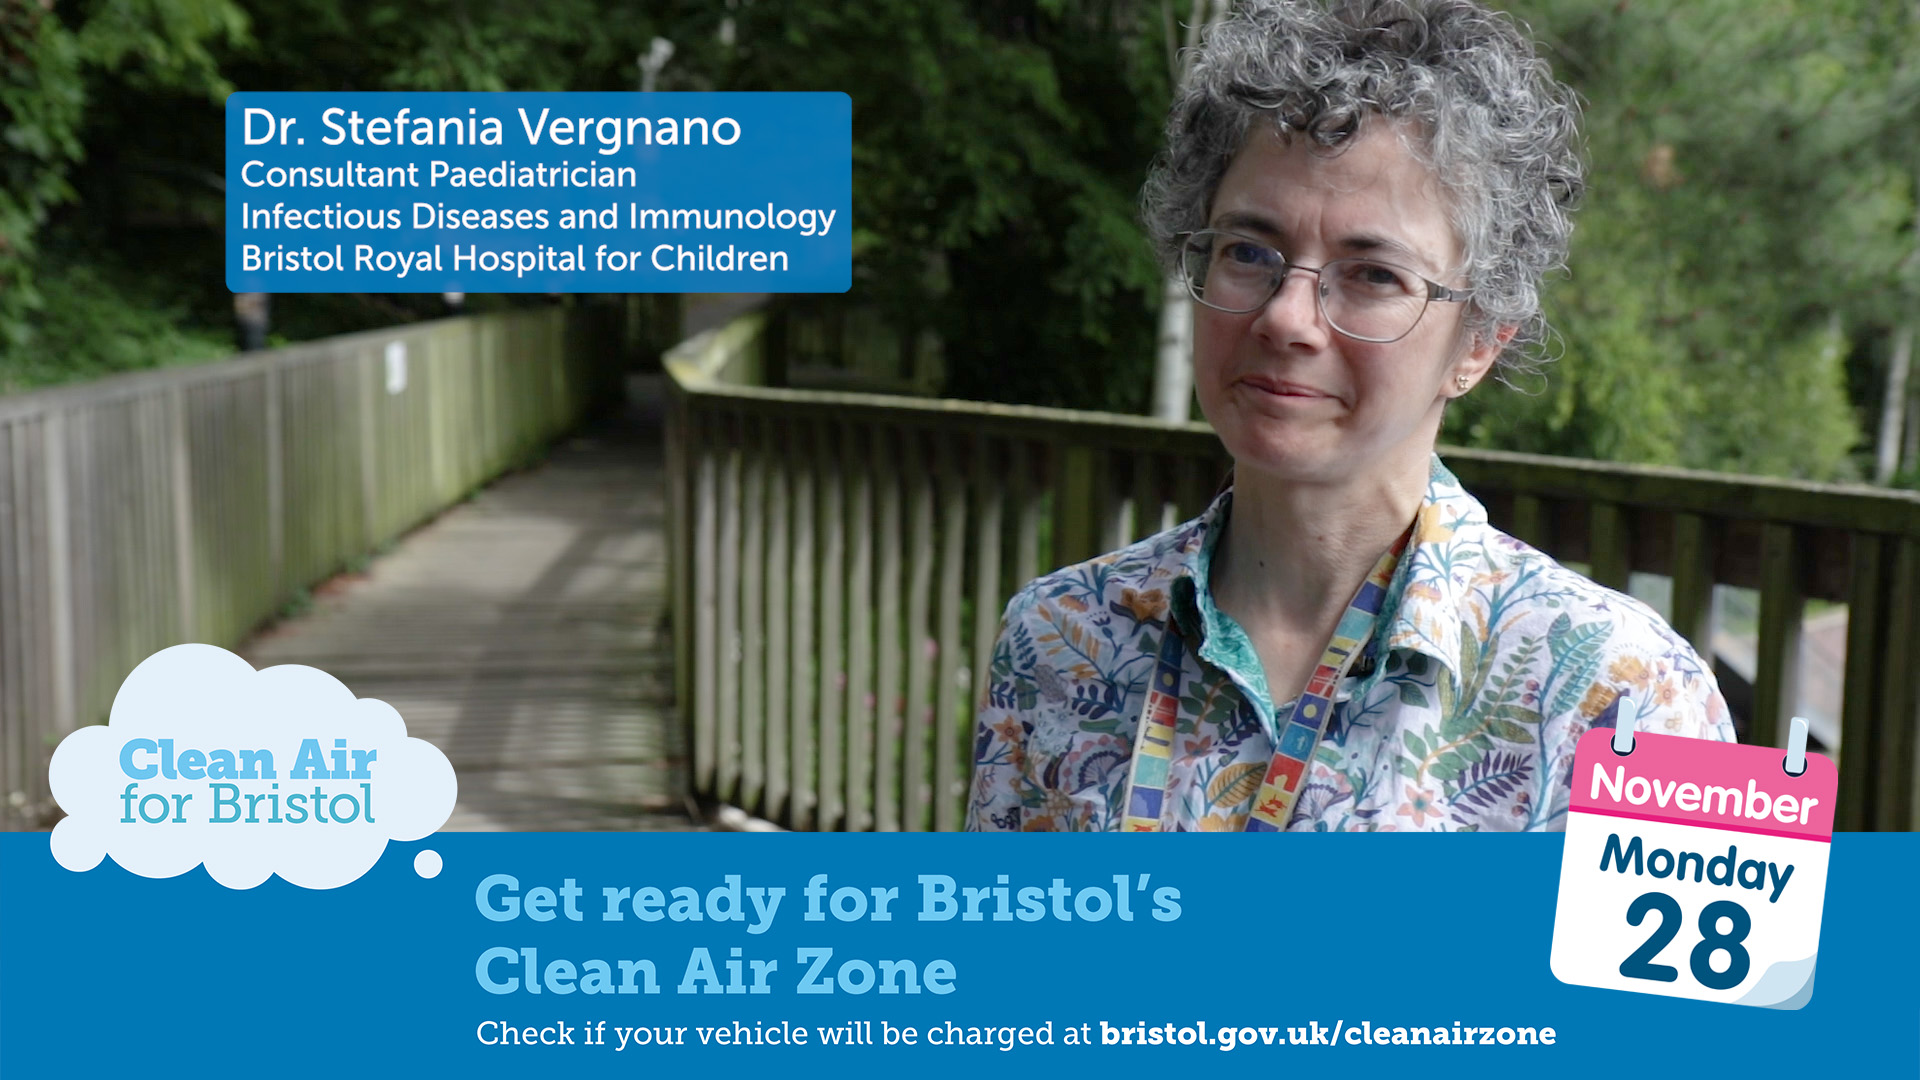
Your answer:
<point x="998" y="148"/>
<point x="1747" y="244"/>
<point x="51" y="71"/>
<point x="92" y="322"/>
<point x="998" y="154"/>
<point x="41" y="92"/>
<point x="467" y="44"/>
<point x="1751" y="205"/>
<point x="162" y="44"/>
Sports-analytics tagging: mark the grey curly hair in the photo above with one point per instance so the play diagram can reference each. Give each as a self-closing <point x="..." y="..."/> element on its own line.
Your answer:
<point x="1500" y="133"/>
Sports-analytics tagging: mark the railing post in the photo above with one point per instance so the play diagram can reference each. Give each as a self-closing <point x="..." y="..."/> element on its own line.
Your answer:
<point x="1860" y="722"/>
<point x="276" y="483"/>
<point x="1900" y="694"/>
<point x="365" y="382"/>
<point x="727" y="657"/>
<point x="1147" y="502"/>
<point x="1193" y="490"/>
<point x="753" y="700"/>
<point x="1692" y="571"/>
<point x="60" y="572"/>
<point x="1075" y="526"/>
<point x="681" y="565"/>
<point x="860" y="697"/>
<point x="1026" y="508"/>
<point x="779" y="624"/>
<point x="1776" y="677"/>
<point x="180" y="481"/>
<point x="803" y="669"/>
<point x="1609" y="546"/>
<point x="21" y="631"/>
<point x="833" y="670"/>
<point x="706" y="604"/>
<point x="988" y="603"/>
<point x="889" y="705"/>
<point x="1109" y="506"/>
<point x="1530" y="523"/>
<point x="917" y="794"/>
<point x="949" y="777"/>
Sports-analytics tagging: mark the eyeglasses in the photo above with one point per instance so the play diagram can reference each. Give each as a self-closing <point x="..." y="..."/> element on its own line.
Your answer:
<point x="1365" y="299"/>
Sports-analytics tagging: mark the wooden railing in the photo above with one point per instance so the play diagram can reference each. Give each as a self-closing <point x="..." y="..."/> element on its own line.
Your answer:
<point x="841" y="562"/>
<point x="189" y="504"/>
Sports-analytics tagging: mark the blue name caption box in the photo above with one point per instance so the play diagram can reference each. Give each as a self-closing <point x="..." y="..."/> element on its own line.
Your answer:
<point x="539" y="192"/>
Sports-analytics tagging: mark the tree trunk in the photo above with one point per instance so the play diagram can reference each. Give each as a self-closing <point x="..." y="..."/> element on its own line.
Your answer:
<point x="1173" y="359"/>
<point x="1910" y="454"/>
<point x="1893" y="407"/>
<point x="1173" y="368"/>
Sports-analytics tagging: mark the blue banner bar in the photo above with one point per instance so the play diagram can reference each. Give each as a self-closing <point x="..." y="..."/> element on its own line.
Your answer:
<point x="614" y="955"/>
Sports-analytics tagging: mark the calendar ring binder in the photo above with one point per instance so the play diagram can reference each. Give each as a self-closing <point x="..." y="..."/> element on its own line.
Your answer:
<point x="1624" y="718"/>
<point x="1796" y="748"/>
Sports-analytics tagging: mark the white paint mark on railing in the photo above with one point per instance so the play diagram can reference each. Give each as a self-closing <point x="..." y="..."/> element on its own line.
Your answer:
<point x="396" y="367"/>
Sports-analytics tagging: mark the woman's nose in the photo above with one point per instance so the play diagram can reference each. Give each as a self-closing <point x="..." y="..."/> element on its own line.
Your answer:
<point x="1293" y="314"/>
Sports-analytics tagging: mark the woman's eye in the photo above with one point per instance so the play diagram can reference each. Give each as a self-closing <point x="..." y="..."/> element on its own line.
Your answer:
<point x="1377" y="276"/>
<point x="1248" y="257"/>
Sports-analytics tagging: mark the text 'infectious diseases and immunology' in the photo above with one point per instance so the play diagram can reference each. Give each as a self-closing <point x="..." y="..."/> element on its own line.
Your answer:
<point x="539" y="192"/>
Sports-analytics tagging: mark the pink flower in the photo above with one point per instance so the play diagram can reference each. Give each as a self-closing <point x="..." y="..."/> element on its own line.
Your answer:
<point x="1419" y="806"/>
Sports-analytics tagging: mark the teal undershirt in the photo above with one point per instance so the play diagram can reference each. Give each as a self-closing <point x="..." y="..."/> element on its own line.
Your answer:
<point x="1222" y="641"/>
<point x="1224" y="644"/>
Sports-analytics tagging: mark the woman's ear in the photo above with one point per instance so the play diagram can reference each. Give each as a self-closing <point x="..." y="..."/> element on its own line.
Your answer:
<point x="1474" y="364"/>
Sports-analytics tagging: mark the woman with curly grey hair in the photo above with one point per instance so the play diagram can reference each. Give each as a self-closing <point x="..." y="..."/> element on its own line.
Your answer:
<point x="1362" y="201"/>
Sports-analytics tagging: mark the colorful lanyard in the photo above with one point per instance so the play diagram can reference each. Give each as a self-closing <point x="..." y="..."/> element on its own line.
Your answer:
<point x="1153" y="744"/>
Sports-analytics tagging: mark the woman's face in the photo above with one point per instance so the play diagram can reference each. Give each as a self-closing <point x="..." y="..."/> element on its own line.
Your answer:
<point x="1290" y="396"/>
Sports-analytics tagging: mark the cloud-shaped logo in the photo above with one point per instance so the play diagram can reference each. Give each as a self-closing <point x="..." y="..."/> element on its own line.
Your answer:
<point x="279" y="771"/>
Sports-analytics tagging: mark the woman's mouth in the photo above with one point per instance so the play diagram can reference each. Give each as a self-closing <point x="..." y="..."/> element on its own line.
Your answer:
<point x="1281" y="388"/>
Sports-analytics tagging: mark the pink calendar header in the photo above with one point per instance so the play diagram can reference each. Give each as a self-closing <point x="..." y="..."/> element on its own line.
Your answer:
<point x="1696" y="782"/>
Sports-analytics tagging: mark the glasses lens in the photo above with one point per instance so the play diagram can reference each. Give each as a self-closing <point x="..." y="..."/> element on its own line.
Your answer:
<point x="1230" y="272"/>
<point x="1372" y="300"/>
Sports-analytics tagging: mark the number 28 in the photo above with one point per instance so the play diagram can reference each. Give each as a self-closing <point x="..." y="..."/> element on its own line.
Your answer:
<point x="1640" y="965"/>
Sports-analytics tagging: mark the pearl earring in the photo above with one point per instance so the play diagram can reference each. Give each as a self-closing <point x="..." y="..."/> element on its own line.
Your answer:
<point x="1462" y="382"/>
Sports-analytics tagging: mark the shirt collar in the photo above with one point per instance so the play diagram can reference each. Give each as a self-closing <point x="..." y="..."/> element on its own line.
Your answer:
<point x="1422" y="609"/>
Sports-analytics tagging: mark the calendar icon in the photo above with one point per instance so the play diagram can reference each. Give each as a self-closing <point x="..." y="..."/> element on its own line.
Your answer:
<point x="1694" y="869"/>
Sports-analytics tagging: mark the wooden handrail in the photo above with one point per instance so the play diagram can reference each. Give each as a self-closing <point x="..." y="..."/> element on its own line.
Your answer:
<point x="888" y="532"/>
<point x="189" y="504"/>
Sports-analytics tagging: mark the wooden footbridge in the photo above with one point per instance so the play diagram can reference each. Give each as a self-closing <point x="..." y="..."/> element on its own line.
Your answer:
<point x="620" y="603"/>
<point x="524" y="632"/>
<point x="464" y="519"/>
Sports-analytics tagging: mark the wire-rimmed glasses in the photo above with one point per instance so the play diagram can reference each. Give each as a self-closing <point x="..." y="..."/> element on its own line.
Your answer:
<point x="1365" y="299"/>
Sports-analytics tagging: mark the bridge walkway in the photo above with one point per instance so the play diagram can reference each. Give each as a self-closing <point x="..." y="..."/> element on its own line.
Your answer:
<point x="525" y="633"/>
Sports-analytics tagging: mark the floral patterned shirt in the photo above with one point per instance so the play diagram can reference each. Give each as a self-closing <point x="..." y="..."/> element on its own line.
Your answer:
<point x="1488" y="663"/>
